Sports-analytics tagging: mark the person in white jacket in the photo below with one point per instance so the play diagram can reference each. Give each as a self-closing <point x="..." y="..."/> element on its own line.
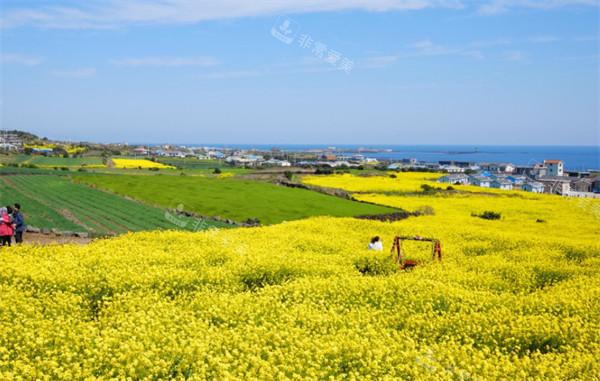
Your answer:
<point x="375" y="244"/>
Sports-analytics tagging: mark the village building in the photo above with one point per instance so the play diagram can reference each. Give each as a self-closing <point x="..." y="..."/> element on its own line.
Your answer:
<point x="462" y="164"/>
<point x="497" y="167"/>
<point x="532" y="171"/>
<point x="498" y="176"/>
<point x="533" y="186"/>
<point x="480" y="181"/>
<point x="555" y="184"/>
<point x="276" y="163"/>
<point x="501" y="184"/>
<point x="171" y="154"/>
<point x="516" y="179"/>
<point x="555" y="167"/>
<point x="583" y="185"/>
<point x="452" y="169"/>
<point x="454" y="178"/>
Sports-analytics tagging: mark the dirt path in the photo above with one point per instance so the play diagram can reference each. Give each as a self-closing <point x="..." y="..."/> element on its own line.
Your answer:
<point x="42" y="239"/>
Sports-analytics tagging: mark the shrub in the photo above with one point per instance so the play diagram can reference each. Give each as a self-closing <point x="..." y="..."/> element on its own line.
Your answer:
<point x="217" y="171"/>
<point x="324" y="171"/>
<point x="488" y="215"/>
<point x="289" y="175"/>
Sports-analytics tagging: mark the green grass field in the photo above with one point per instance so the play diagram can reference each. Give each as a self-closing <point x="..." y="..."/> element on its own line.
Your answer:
<point x="65" y="162"/>
<point x="13" y="159"/>
<point x="53" y="201"/>
<point x="231" y="198"/>
<point x="203" y="165"/>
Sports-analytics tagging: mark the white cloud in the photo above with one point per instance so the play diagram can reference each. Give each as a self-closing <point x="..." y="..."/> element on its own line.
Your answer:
<point x="427" y="48"/>
<point x="115" y="14"/>
<point x="377" y="62"/>
<point x="543" y="39"/>
<point x="167" y="61"/>
<point x="21" y="59"/>
<point x="514" y="55"/>
<point x="503" y="6"/>
<point x="488" y="43"/>
<point x="78" y="73"/>
<point x="269" y="71"/>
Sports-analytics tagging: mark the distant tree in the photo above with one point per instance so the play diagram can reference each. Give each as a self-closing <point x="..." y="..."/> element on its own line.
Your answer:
<point x="324" y="171"/>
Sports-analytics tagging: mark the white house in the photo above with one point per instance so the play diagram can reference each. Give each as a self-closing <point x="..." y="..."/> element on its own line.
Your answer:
<point x="508" y="167"/>
<point x="8" y="147"/>
<point x="555" y="167"/>
<point x="501" y="184"/>
<point x="454" y="178"/>
<point x="533" y="186"/>
<point x="480" y="181"/>
<point x="173" y="154"/>
<point x="277" y="163"/>
<point x="497" y="167"/>
<point x="452" y="168"/>
<point x="341" y="163"/>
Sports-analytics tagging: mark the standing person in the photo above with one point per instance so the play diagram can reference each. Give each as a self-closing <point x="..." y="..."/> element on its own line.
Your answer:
<point x="6" y="227"/>
<point x="375" y="244"/>
<point x="19" y="224"/>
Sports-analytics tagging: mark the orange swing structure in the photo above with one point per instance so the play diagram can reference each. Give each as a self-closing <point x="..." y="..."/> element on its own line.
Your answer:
<point x="396" y="251"/>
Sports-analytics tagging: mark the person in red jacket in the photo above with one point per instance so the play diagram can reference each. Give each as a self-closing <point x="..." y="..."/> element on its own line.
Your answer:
<point x="6" y="227"/>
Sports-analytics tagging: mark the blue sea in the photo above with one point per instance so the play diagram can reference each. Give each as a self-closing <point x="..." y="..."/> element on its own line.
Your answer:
<point x="575" y="158"/>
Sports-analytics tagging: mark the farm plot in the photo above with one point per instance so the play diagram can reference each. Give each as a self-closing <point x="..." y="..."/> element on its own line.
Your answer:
<point x="43" y="161"/>
<point x="93" y="210"/>
<point x="35" y="213"/>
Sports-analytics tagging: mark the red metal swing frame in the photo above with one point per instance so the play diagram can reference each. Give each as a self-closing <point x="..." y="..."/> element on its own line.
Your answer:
<point x="405" y="263"/>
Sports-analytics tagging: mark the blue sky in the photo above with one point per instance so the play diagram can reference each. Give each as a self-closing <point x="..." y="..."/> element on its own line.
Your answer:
<point x="522" y="72"/>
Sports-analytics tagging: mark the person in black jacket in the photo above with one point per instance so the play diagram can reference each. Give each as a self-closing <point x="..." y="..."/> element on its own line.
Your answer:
<point x="19" y="224"/>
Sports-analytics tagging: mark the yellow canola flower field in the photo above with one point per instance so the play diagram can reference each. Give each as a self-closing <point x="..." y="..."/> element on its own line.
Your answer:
<point x="137" y="163"/>
<point x="400" y="182"/>
<point x="404" y="182"/>
<point x="512" y="299"/>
